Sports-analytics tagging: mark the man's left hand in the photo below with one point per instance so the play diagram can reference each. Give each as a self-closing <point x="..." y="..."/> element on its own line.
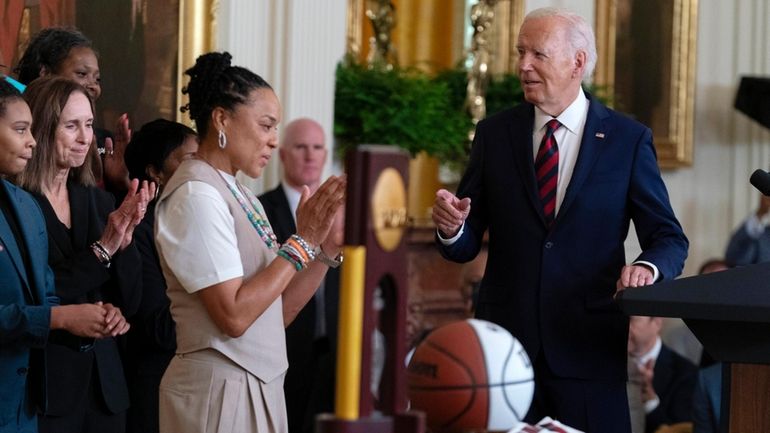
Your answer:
<point x="634" y="276"/>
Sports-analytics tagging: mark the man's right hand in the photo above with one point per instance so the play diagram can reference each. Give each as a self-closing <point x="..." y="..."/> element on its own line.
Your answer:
<point x="449" y="212"/>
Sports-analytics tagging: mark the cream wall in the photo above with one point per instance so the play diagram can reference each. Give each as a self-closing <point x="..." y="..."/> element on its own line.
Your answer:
<point x="713" y="196"/>
<point x="295" y="45"/>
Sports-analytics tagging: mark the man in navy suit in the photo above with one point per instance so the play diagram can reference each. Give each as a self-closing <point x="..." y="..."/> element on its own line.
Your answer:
<point x="28" y="307"/>
<point x="311" y="337"/>
<point x="556" y="181"/>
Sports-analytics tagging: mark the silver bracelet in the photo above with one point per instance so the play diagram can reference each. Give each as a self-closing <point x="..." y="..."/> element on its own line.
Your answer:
<point x="101" y="254"/>
<point x="305" y="246"/>
<point x="321" y="256"/>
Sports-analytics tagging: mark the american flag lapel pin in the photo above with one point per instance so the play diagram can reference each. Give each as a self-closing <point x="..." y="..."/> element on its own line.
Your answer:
<point x="599" y="135"/>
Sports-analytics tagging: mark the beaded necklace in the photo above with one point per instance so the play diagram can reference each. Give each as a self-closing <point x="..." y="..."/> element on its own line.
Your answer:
<point x="260" y="223"/>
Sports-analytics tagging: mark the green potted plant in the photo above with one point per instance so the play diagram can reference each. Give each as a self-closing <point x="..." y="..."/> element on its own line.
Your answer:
<point x="405" y="108"/>
<point x="401" y="107"/>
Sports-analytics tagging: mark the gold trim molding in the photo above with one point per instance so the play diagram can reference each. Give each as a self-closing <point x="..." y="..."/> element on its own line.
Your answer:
<point x="197" y="35"/>
<point x="671" y="123"/>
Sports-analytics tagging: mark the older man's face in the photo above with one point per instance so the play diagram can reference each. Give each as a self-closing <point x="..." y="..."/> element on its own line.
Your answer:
<point x="550" y="75"/>
<point x="303" y="154"/>
<point x="643" y="331"/>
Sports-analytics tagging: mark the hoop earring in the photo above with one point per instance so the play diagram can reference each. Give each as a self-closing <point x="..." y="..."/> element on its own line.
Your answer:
<point x="222" y="139"/>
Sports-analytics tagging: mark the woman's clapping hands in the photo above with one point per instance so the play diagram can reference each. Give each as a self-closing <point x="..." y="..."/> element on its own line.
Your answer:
<point x="316" y="213"/>
<point x="121" y="222"/>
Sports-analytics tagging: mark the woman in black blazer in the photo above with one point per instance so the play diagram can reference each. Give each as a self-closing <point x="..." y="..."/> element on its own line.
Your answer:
<point x="91" y="254"/>
<point x="154" y="153"/>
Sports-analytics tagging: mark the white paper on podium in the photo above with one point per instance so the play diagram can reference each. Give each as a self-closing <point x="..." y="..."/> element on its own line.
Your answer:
<point x="545" y="425"/>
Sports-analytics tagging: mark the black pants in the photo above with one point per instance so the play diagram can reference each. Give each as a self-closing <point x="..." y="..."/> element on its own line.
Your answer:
<point x="90" y="417"/>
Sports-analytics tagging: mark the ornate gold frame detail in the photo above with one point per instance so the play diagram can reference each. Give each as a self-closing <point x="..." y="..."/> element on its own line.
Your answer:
<point x="197" y="35"/>
<point x="508" y="17"/>
<point x="509" y="14"/>
<point x="674" y="145"/>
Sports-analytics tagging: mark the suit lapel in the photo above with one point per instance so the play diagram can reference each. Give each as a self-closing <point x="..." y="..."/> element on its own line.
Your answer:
<point x="521" y="143"/>
<point x="58" y="237"/>
<point x="282" y="220"/>
<point x="663" y="370"/>
<point x="8" y="240"/>
<point x="37" y="262"/>
<point x="595" y="137"/>
<point x="80" y="212"/>
<point x="286" y="219"/>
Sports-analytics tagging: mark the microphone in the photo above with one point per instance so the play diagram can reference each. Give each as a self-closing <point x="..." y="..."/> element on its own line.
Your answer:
<point x="761" y="181"/>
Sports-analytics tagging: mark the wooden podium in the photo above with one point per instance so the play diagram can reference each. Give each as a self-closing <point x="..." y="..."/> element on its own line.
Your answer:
<point x="729" y="312"/>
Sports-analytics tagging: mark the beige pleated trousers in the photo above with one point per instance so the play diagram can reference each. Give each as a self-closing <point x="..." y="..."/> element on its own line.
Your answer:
<point x="206" y="392"/>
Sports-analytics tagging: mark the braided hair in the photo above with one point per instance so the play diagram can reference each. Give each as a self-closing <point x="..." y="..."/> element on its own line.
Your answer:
<point x="215" y="83"/>
<point x="48" y="49"/>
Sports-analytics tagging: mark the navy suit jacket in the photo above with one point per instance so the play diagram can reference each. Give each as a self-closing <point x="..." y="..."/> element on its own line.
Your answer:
<point x="707" y="400"/>
<point x="309" y="382"/>
<point x="25" y="305"/>
<point x="553" y="288"/>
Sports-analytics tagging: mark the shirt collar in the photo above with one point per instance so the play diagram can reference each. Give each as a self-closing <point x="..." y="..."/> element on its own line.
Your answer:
<point x="571" y="118"/>
<point x="652" y="354"/>
<point x="292" y="196"/>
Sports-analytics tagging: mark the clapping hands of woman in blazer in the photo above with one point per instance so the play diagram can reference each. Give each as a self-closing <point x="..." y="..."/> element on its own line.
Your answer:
<point x="29" y="309"/>
<point x="91" y="254"/>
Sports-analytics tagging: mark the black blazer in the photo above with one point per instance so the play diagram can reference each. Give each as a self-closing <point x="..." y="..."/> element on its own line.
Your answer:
<point x="674" y="382"/>
<point x="552" y="288"/>
<point x="152" y="337"/>
<point x="81" y="278"/>
<point x="309" y="382"/>
<point x="299" y="335"/>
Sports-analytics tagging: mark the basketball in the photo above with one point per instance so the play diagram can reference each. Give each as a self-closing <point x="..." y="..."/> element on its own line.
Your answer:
<point x="470" y="375"/>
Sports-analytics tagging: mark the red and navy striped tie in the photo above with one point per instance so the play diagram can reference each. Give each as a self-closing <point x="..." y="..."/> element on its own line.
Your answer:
<point x="547" y="171"/>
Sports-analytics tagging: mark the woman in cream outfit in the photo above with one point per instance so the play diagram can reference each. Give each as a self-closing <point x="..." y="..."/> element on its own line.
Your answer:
<point x="232" y="287"/>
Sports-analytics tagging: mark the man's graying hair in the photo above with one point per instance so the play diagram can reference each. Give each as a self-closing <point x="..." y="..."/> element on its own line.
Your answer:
<point x="579" y="33"/>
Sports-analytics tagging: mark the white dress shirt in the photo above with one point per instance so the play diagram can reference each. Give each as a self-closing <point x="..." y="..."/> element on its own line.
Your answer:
<point x="293" y="196"/>
<point x="650" y="405"/>
<point x="568" y="137"/>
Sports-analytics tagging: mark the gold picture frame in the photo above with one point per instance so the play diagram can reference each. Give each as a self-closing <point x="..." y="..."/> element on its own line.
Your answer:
<point x="647" y="59"/>
<point x="197" y="35"/>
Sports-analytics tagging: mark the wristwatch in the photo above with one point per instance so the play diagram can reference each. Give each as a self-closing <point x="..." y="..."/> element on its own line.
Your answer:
<point x="321" y="256"/>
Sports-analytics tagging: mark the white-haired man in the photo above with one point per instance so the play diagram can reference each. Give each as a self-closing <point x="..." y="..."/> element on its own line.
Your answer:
<point x="556" y="181"/>
<point x="311" y="338"/>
